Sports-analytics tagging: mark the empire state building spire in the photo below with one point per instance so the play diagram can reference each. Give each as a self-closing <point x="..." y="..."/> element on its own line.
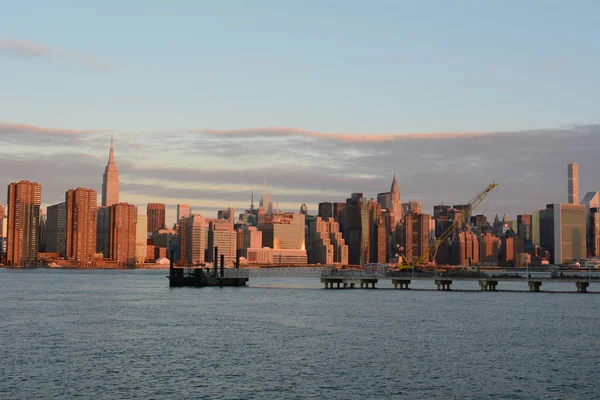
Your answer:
<point x="110" y="181"/>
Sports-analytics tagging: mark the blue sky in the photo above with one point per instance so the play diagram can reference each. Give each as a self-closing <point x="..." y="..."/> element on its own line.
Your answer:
<point x="157" y="73"/>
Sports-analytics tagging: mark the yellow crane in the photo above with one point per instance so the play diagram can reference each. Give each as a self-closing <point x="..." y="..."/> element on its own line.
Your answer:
<point x="457" y="223"/>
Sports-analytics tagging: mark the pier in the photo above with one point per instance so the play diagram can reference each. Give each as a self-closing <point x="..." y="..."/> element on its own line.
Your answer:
<point x="200" y="277"/>
<point x="366" y="278"/>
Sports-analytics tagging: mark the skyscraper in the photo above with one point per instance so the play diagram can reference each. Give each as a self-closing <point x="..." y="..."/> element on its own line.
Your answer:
<point x="123" y="223"/>
<point x="265" y="202"/>
<point x="24" y="199"/>
<point x="110" y="181"/>
<point x="80" y="209"/>
<point x="395" y="200"/>
<point x="141" y="238"/>
<point x="573" y="174"/>
<point x="183" y="211"/>
<point x="56" y="229"/>
<point x="283" y="231"/>
<point x="563" y="232"/>
<point x="156" y="217"/>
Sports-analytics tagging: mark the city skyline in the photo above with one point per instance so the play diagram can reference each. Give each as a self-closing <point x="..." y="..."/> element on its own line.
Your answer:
<point x="429" y="168"/>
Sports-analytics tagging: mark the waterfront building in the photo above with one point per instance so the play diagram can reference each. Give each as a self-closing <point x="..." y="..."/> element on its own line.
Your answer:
<point x="563" y="232"/>
<point x="183" y="211"/>
<point x="56" y="229"/>
<point x="110" y="181"/>
<point x="573" y="175"/>
<point x="24" y="200"/>
<point x="155" y="213"/>
<point x="283" y="230"/>
<point x="325" y="211"/>
<point x="123" y="229"/>
<point x="275" y="256"/>
<point x="103" y="231"/>
<point x="80" y="210"/>
<point x="141" y="238"/>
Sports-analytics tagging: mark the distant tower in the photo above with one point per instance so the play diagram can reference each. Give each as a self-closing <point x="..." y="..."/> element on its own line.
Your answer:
<point x="110" y="183"/>
<point x="24" y="199"/>
<point x="573" y="183"/>
<point x="265" y="202"/>
<point x="396" y="204"/>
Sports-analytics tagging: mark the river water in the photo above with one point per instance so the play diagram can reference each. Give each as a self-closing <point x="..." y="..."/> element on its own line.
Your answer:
<point x="125" y="334"/>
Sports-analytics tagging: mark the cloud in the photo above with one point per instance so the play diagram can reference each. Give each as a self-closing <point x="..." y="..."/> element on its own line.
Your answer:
<point x="276" y="132"/>
<point x="16" y="128"/>
<point x="218" y="170"/>
<point x="25" y="49"/>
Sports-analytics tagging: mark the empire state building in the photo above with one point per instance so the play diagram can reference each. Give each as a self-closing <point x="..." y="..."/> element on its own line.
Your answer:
<point x="110" y="183"/>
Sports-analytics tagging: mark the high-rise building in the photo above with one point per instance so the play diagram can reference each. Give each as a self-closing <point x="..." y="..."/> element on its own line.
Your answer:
<point x="357" y="229"/>
<point x="412" y="207"/>
<point x="417" y="234"/>
<point x="327" y="245"/>
<point x="156" y="217"/>
<point x="524" y="227"/>
<point x="42" y="232"/>
<point x="196" y="240"/>
<point x="283" y="231"/>
<point x="56" y="229"/>
<point x="265" y="202"/>
<point x="465" y="248"/>
<point x="110" y="181"/>
<point x="228" y="214"/>
<point x="325" y="210"/>
<point x="489" y="246"/>
<point x="304" y="209"/>
<point x="385" y="200"/>
<point x="338" y="210"/>
<point x="396" y="204"/>
<point x="123" y="224"/>
<point x="563" y="232"/>
<point x="252" y="237"/>
<point x="103" y="231"/>
<point x="224" y="238"/>
<point x="2" y="215"/>
<point x="141" y="238"/>
<point x="80" y="210"/>
<point x="24" y="200"/>
<point x="183" y="211"/>
<point x="535" y="227"/>
<point x="573" y="174"/>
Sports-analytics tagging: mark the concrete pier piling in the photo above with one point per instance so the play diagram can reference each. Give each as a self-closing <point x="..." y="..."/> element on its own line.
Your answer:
<point x="443" y="284"/>
<point x="534" y="286"/>
<point x="401" y="283"/>
<point x="582" y="286"/>
<point x="487" y="285"/>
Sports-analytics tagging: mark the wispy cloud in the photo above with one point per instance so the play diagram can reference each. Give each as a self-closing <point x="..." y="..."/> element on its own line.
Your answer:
<point x="11" y="127"/>
<point x="343" y="137"/>
<point x="25" y="49"/>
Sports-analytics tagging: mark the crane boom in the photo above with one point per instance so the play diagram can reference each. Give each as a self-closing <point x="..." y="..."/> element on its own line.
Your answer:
<point x="456" y="223"/>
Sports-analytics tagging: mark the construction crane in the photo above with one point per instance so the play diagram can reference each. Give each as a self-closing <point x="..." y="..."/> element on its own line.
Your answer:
<point x="457" y="223"/>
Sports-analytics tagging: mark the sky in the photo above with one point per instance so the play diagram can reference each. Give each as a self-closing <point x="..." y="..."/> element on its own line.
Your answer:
<point x="324" y="98"/>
